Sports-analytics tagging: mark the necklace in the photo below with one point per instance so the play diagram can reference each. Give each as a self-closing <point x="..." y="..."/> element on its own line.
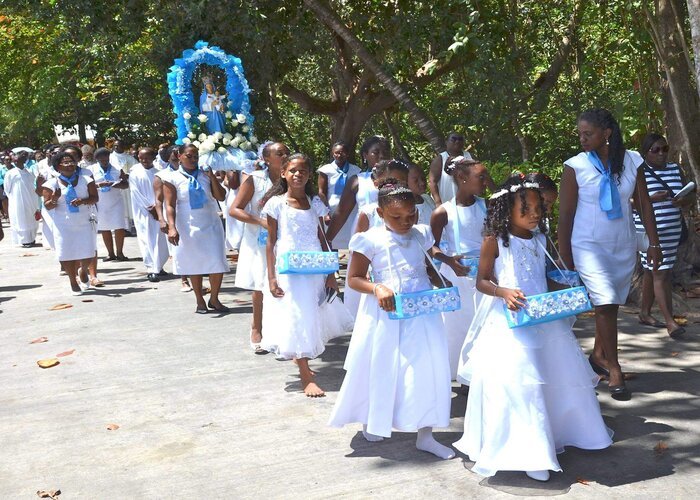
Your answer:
<point x="532" y="250"/>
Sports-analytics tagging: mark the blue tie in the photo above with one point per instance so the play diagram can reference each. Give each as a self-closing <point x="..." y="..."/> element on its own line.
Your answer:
<point x="196" y="191"/>
<point x="340" y="183"/>
<point x="608" y="194"/>
<point x="70" y="193"/>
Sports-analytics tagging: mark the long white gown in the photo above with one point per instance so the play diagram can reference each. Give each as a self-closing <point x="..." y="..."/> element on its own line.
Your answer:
<point x="201" y="249"/>
<point x="124" y="161"/>
<point x="532" y="390"/>
<point x="299" y="324"/>
<point x="47" y="240"/>
<point x="110" y="207"/>
<point x="397" y="371"/>
<point x="152" y="241"/>
<point x="234" y="227"/>
<point x="333" y="173"/>
<point x="23" y="204"/>
<point x="604" y="251"/>
<point x="464" y="224"/>
<point x="74" y="233"/>
<point x="251" y="270"/>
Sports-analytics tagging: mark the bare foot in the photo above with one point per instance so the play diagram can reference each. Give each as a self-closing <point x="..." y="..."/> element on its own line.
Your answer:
<point x="313" y="373"/>
<point x="312" y="390"/>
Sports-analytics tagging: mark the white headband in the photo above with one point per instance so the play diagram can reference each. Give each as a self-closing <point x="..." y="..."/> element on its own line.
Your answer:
<point x="515" y="189"/>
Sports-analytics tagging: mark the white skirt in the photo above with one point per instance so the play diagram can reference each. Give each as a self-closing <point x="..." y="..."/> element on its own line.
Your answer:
<point x="397" y="373"/>
<point x="251" y="269"/>
<point x="295" y="325"/>
<point x="110" y="210"/>
<point x="201" y="247"/>
<point x="74" y="241"/>
<point x="531" y="394"/>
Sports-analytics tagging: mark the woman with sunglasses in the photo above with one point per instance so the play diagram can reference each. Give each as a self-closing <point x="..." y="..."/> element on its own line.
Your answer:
<point x="664" y="180"/>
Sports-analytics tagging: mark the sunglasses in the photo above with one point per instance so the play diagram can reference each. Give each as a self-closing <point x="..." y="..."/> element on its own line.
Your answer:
<point x="659" y="149"/>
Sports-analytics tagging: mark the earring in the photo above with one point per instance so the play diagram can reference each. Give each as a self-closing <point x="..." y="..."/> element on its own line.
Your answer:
<point x="607" y="142"/>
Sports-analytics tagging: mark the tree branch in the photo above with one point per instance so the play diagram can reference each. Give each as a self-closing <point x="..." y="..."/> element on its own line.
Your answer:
<point x="308" y="102"/>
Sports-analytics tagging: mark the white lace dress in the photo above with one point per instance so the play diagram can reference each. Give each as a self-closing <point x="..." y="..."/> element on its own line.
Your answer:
<point x="397" y="373"/>
<point x="299" y="324"/>
<point x="251" y="270"/>
<point x="532" y="390"/>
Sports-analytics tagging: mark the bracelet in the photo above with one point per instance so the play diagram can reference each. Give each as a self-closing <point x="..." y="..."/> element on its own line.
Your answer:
<point x="374" y="290"/>
<point x="495" y="289"/>
<point x="655" y="246"/>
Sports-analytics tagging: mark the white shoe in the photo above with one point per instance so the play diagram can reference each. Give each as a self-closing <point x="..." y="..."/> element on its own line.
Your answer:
<point x="84" y="285"/>
<point x="185" y="288"/>
<point x="538" y="475"/>
<point x="76" y="294"/>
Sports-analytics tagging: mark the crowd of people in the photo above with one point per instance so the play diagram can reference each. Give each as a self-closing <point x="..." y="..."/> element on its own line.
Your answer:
<point x="531" y="389"/>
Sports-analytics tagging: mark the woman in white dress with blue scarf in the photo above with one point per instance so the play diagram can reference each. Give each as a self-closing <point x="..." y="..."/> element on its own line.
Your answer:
<point x="596" y="230"/>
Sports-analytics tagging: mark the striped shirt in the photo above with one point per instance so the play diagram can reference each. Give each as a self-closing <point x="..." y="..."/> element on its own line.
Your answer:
<point x="668" y="217"/>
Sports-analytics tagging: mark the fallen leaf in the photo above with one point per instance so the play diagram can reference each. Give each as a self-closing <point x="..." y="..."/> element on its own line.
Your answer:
<point x="40" y="340"/>
<point x="28" y="255"/>
<point x="88" y="300"/>
<point x="674" y="354"/>
<point x="583" y="481"/>
<point x="660" y="448"/>
<point x="65" y="353"/>
<point x="59" y="307"/>
<point x="48" y="362"/>
<point x="112" y="427"/>
<point x="681" y="320"/>
<point x="48" y="493"/>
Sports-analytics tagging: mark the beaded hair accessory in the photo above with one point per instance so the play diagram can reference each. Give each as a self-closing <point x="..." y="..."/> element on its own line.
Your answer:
<point x="515" y="189"/>
<point x="395" y="189"/>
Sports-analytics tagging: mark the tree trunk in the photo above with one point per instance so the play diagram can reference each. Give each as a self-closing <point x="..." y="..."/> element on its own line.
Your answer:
<point x="694" y="17"/>
<point x="419" y="117"/>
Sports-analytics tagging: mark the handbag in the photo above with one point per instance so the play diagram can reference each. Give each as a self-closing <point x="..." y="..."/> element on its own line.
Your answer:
<point x="411" y="304"/>
<point x="550" y="306"/>
<point x="308" y="262"/>
<point x="684" y="225"/>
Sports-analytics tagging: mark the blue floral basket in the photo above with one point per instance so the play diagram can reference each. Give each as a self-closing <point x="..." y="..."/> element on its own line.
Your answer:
<point x="307" y="263"/>
<point x="565" y="277"/>
<point x="262" y="237"/>
<point x="410" y="305"/>
<point x="472" y="262"/>
<point x="549" y="306"/>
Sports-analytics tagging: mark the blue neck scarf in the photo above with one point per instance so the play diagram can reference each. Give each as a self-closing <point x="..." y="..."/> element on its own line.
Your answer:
<point x="70" y="193"/>
<point x="340" y="183"/>
<point x="197" y="194"/>
<point x="107" y="174"/>
<point x="608" y="195"/>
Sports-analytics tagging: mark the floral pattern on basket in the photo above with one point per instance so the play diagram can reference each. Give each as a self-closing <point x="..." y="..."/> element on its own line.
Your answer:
<point x="410" y="305"/>
<point x="307" y="263"/>
<point x="550" y="306"/>
<point x="472" y="262"/>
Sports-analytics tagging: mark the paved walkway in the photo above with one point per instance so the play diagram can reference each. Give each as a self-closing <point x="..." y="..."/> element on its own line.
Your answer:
<point x="200" y="416"/>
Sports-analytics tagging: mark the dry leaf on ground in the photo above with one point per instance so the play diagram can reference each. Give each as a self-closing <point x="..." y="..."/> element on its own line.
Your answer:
<point x="112" y="427"/>
<point x="59" y="307"/>
<point x="28" y="255"/>
<point x="88" y="300"/>
<point x="681" y="320"/>
<point x="40" y="340"/>
<point x="589" y="314"/>
<point x="48" y="362"/>
<point x="581" y="480"/>
<point x="48" y="493"/>
<point x="674" y="354"/>
<point x="65" y="353"/>
<point x="660" y="448"/>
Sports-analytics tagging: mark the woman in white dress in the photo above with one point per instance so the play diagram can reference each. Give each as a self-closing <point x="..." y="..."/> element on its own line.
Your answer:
<point x="459" y="224"/>
<point x="71" y="198"/>
<point x="596" y="230"/>
<point x="531" y="390"/>
<point x="194" y="227"/>
<point x="110" y="181"/>
<point x="331" y="184"/>
<point x="251" y="269"/>
<point x="397" y="373"/>
<point x="298" y="319"/>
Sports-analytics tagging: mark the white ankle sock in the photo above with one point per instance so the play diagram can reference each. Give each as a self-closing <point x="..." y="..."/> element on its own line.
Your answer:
<point x="426" y="442"/>
<point x="370" y="437"/>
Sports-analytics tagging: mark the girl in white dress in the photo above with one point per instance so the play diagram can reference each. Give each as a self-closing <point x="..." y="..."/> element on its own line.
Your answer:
<point x="298" y="320"/>
<point x="532" y="391"/>
<point x="397" y="370"/>
<point x="596" y="230"/>
<point x="251" y="269"/>
<point x="110" y="182"/>
<point x="459" y="224"/>
<point x="71" y="198"/>
<point x="194" y="227"/>
<point x="418" y="184"/>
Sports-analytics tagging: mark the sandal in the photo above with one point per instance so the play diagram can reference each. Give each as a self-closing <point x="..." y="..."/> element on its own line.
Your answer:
<point x="109" y="258"/>
<point x="257" y="349"/>
<point x="677" y="333"/>
<point x="199" y="310"/>
<point x="122" y="258"/>
<point x="655" y="324"/>
<point x="185" y="288"/>
<point x="222" y="308"/>
<point x="96" y="282"/>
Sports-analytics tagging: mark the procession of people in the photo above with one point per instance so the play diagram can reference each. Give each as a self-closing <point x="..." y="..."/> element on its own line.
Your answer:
<point x="436" y="285"/>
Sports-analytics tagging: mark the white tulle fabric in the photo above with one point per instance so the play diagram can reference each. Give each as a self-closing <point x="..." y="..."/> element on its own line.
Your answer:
<point x="299" y="324"/>
<point x="531" y="389"/>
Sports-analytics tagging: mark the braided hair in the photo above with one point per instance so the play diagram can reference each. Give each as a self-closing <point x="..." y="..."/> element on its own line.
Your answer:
<point x="391" y="191"/>
<point x="281" y="187"/>
<point x="501" y="204"/>
<point x="602" y="118"/>
<point x="459" y="164"/>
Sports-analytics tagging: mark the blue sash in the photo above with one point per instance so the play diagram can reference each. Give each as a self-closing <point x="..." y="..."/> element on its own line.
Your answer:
<point x="107" y="175"/>
<point x="197" y="195"/>
<point x="608" y="195"/>
<point x="340" y="183"/>
<point x="70" y="193"/>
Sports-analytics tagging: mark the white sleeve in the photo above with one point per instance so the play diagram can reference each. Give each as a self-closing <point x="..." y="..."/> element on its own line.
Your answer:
<point x="142" y="195"/>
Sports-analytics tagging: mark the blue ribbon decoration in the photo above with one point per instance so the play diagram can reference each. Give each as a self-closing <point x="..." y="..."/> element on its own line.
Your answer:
<point x="197" y="195"/>
<point x="107" y="174"/>
<point x="608" y="195"/>
<point x="70" y="193"/>
<point x="340" y="183"/>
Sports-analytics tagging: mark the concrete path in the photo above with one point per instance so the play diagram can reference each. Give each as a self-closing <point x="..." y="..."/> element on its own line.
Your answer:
<point x="200" y="416"/>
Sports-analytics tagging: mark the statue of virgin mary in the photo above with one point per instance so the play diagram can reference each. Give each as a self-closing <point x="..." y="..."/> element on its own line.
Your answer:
<point x="211" y="103"/>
